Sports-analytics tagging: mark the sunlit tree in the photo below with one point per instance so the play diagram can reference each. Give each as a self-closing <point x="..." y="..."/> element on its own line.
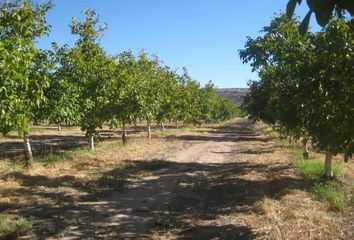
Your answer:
<point x="23" y="68"/>
<point x="88" y="69"/>
<point x="304" y="88"/>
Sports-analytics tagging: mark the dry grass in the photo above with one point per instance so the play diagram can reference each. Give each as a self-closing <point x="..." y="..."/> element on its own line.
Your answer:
<point x="78" y="173"/>
<point x="262" y="197"/>
<point x="297" y="214"/>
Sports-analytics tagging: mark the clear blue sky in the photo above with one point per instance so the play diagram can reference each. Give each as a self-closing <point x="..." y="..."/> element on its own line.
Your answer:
<point x="202" y="35"/>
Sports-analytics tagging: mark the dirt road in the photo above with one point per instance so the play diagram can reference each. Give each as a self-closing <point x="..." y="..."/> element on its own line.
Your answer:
<point x="225" y="183"/>
<point x="230" y="182"/>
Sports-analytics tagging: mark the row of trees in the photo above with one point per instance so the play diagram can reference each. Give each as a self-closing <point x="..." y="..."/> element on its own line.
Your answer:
<point x="306" y="84"/>
<point x="85" y="86"/>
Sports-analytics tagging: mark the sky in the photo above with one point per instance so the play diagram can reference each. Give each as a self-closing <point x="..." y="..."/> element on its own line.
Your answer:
<point x="202" y="35"/>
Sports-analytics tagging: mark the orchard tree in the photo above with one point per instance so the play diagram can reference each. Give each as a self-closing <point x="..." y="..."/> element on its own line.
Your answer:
<point x="213" y="107"/>
<point x="304" y="88"/>
<point x="89" y="69"/>
<point x="229" y="110"/>
<point x="331" y="115"/>
<point x="276" y="99"/>
<point x="44" y="65"/>
<point x="180" y="104"/>
<point x="191" y="103"/>
<point x="123" y="94"/>
<point x="194" y="103"/>
<point x="255" y="102"/>
<point x="149" y="88"/>
<point x="62" y="105"/>
<point x="168" y="96"/>
<point x="208" y="103"/>
<point x="23" y="75"/>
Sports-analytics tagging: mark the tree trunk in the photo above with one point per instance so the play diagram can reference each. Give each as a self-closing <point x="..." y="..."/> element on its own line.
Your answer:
<point x="328" y="165"/>
<point x="305" y="151"/>
<point x="28" y="151"/>
<point x="176" y="124"/>
<point x="59" y="127"/>
<point x="163" y="126"/>
<point x="92" y="142"/>
<point x="149" y="130"/>
<point x="124" y="135"/>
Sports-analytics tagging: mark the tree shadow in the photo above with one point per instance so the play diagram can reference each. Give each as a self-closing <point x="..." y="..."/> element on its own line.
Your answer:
<point x="218" y="232"/>
<point x="43" y="145"/>
<point x="248" y="151"/>
<point x="241" y="132"/>
<point x="222" y="138"/>
<point x="144" y="198"/>
<point x="40" y="180"/>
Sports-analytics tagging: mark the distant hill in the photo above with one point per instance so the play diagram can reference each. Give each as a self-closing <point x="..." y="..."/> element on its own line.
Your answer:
<point x="235" y="95"/>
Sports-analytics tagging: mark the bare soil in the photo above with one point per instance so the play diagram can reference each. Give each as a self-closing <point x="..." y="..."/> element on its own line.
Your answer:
<point x="218" y="182"/>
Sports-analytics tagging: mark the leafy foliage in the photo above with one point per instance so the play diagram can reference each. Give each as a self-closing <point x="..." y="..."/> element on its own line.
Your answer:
<point x="323" y="10"/>
<point x="22" y="67"/>
<point x="305" y="82"/>
<point x="83" y="85"/>
<point x="62" y="105"/>
<point x="86" y="70"/>
<point x="143" y="89"/>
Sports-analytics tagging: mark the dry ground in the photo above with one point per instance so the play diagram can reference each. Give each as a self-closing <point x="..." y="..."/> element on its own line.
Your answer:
<point x="217" y="182"/>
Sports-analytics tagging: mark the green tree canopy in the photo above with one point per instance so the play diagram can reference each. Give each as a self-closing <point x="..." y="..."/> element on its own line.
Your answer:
<point x="88" y="70"/>
<point x="23" y="68"/>
<point x="305" y="83"/>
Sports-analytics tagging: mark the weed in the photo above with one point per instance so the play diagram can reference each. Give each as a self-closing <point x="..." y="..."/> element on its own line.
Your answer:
<point x="333" y="194"/>
<point x="272" y="134"/>
<point x="331" y="191"/>
<point x="281" y="142"/>
<point x="37" y="130"/>
<point x="52" y="158"/>
<point x="9" y="166"/>
<point x="55" y="157"/>
<point x="311" y="168"/>
<point x="115" y="144"/>
<point x="12" y="227"/>
<point x="59" y="156"/>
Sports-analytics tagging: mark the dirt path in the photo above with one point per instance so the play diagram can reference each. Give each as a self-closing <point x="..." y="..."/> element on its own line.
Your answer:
<point x="147" y="204"/>
<point x="230" y="182"/>
<point x="226" y="183"/>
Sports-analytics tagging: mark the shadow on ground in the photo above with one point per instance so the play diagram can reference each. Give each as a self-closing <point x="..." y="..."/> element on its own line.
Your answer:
<point x="44" y="144"/>
<point x="234" y="133"/>
<point x="196" y="192"/>
<point x="149" y="199"/>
